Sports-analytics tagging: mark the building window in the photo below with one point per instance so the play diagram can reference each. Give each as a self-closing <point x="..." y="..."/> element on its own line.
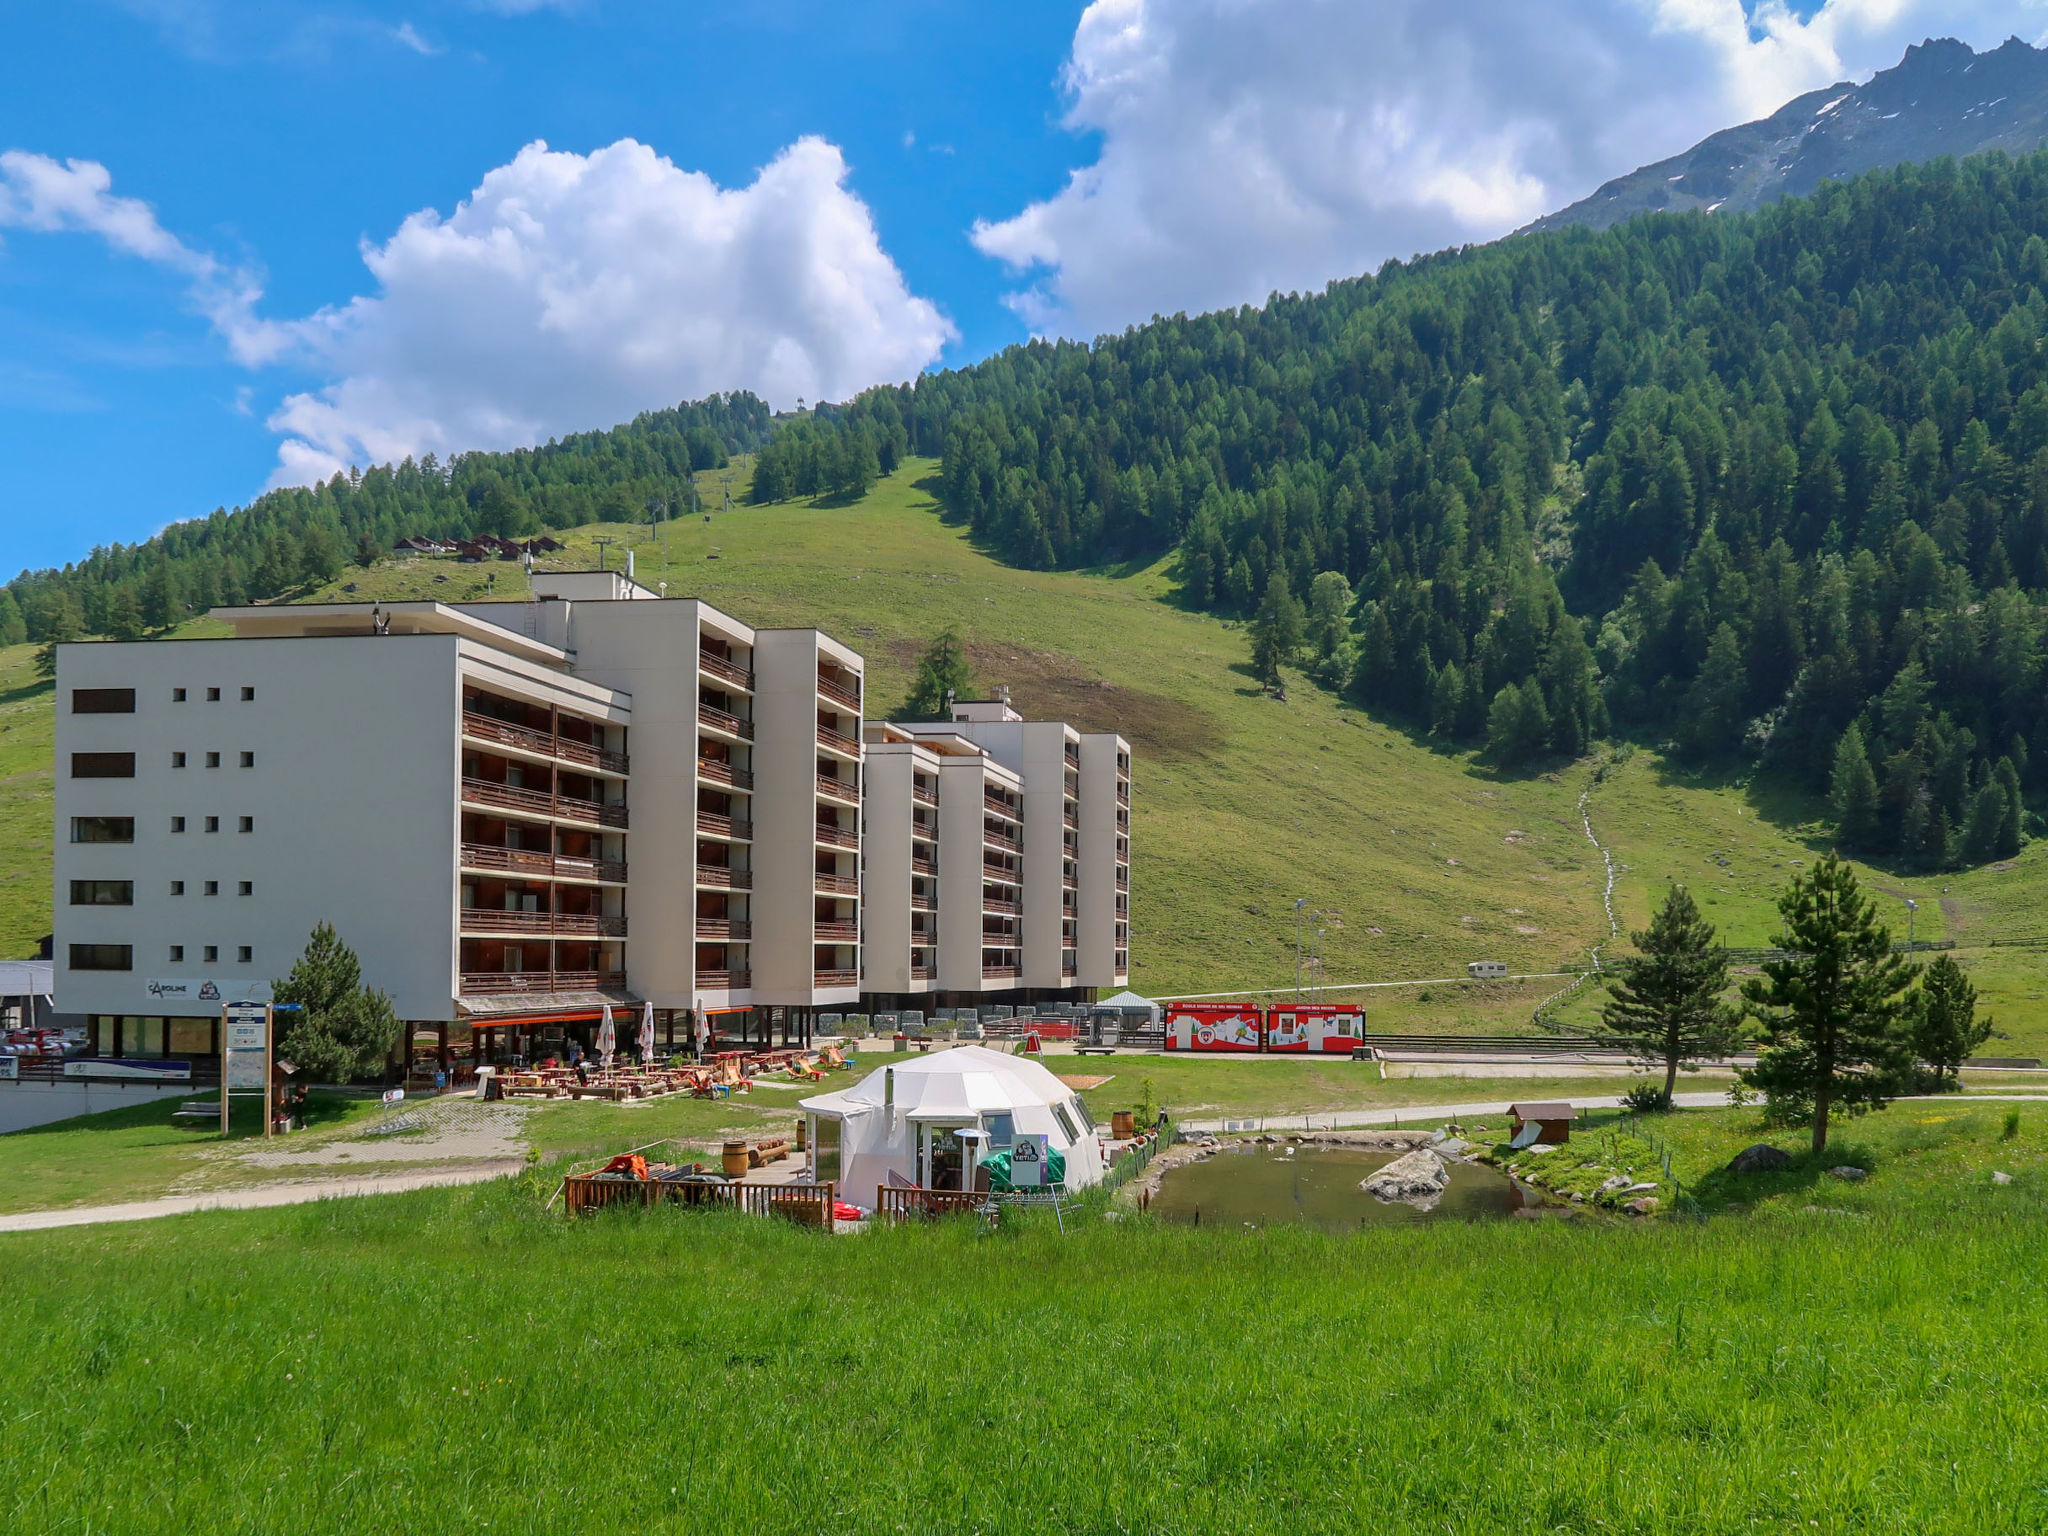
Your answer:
<point x="103" y="893"/>
<point x="177" y="759"/>
<point x="177" y="953"/>
<point x="248" y="759"/>
<point x="177" y="823"/>
<point x="213" y="887"/>
<point x="103" y="701"/>
<point x="213" y="759"/>
<point x="103" y="765"/>
<point x="102" y="957"/>
<point x="248" y="694"/>
<point x="211" y="953"/>
<point x="177" y="887"/>
<point x="246" y="888"/>
<point x="213" y="823"/>
<point x="103" y="829"/>
<point x="246" y="824"/>
<point x="177" y="695"/>
<point x="244" y="954"/>
<point x="213" y="695"/>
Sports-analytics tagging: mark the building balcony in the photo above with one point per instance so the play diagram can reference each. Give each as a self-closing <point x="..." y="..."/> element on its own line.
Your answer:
<point x="835" y="885"/>
<point x="718" y="877"/>
<point x="924" y="973"/>
<point x="1123" y="880"/>
<point x="836" y="978"/>
<point x="923" y="866"/>
<point x="835" y="837"/>
<point x="998" y="907"/>
<point x="476" y="983"/>
<point x="922" y="795"/>
<point x="924" y="832"/>
<point x="1073" y="754"/>
<point x="835" y="933"/>
<point x="536" y="802"/>
<point x="998" y="840"/>
<point x="999" y="973"/>
<point x="717" y="771"/>
<point x="711" y="824"/>
<point x="711" y="664"/>
<point x="725" y="981"/>
<point x="567" y="925"/>
<point x="725" y="725"/>
<point x="832" y="741"/>
<point x="731" y="930"/>
<point x="842" y="790"/>
<point x="1000" y="807"/>
<point x="556" y="866"/>
<point x="522" y="738"/>
<point x="838" y="694"/>
<point x="923" y="904"/>
<point x="1001" y="873"/>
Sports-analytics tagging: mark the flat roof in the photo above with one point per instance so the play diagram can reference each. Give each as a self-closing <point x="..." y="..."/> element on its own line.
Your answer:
<point x="320" y="621"/>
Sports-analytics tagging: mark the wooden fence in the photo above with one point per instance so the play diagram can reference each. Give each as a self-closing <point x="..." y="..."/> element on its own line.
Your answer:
<point x="806" y="1204"/>
<point x="908" y="1204"/>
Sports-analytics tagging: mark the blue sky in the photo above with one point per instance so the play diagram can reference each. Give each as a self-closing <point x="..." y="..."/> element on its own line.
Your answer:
<point x="917" y="209"/>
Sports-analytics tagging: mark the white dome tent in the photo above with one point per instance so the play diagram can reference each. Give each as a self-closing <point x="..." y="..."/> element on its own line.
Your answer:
<point x="902" y="1126"/>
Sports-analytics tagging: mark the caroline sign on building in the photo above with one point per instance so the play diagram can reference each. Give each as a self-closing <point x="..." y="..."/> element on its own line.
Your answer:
<point x="190" y="989"/>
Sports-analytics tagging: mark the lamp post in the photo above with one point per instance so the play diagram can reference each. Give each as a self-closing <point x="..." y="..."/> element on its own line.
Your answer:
<point x="1912" y="910"/>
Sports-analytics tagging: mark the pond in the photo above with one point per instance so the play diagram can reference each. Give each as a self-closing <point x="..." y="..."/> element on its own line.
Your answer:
<point x="1256" y="1185"/>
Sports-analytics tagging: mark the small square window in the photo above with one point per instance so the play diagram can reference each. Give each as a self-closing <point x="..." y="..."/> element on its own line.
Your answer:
<point x="177" y="759"/>
<point x="177" y="952"/>
<point x="245" y="954"/>
<point x="248" y="759"/>
<point x="213" y="759"/>
<point x="248" y="693"/>
<point x="245" y="888"/>
<point x="248" y="824"/>
<point x="177" y="823"/>
<point x="177" y="695"/>
<point x="213" y="887"/>
<point x="213" y="823"/>
<point x="212" y="952"/>
<point x="213" y="695"/>
<point x="177" y="887"/>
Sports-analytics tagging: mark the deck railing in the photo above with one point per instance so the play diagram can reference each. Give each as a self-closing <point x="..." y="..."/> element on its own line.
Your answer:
<point x="835" y="933"/>
<point x="719" y="720"/>
<point x="725" y="879"/>
<point x="922" y="1204"/>
<point x="485" y="982"/>
<point x="834" y="741"/>
<point x="998" y="840"/>
<point x="719" y="771"/>
<point x="728" y="671"/>
<point x="540" y="803"/>
<point x="724" y="928"/>
<point x="564" y="924"/>
<point x="835" y="978"/>
<point x="725" y="981"/>
<point x="835" y="837"/>
<point x="844" y="697"/>
<point x="924" y="796"/>
<point x="839" y="789"/>
<point x="836" y="885"/>
<point x="712" y="824"/>
<point x="524" y="738"/>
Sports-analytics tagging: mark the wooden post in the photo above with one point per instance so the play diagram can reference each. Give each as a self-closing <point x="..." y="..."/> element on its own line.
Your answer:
<point x="223" y="1070"/>
<point x="269" y="1068"/>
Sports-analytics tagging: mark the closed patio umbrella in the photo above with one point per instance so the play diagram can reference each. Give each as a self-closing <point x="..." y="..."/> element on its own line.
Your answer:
<point x="647" y="1032"/>
<point x="607" y="1038"/>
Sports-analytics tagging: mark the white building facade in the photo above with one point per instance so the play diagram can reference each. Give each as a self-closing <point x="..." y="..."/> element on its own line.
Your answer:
<point x="520" y="813"/>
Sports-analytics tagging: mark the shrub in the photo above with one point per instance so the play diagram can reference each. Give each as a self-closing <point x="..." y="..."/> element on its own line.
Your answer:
<point x="2012" y="1125"/>
<point x="1645" y="1098"/>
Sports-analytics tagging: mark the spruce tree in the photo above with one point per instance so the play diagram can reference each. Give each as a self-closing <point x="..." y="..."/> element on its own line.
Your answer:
<point x="340" y="1029"/>
<point x="1945" y="1029"/>
<point x="1277" y="631"/>
<point x="1852" y="789"/>
<point x="942" y="676"/>
<point x="1666" y="1005"/>
<point x="1830" y="1012"/>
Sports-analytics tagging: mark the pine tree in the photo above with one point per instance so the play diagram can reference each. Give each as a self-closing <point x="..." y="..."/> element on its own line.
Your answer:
<point x="943" y="675"/>
<point x="1329" y="610"/>
<point x="1830" y="1012"/>
<point x="1277" y="631"/>
<point x="1517" y="724"/>
<point x="1666" y="1000"/>
<point x="1852" y="790"/>
<point x="340" y="1029"/>
<point x="124" y="614"/>
<point x="2012" y="817"/>
<point x="1942" y="1017"/>
<point x="13" y="628"/>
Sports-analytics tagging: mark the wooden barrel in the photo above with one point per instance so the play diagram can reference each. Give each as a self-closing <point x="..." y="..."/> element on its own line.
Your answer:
<point x="1123" y="1123"/>
<point x="735" y="1166"/>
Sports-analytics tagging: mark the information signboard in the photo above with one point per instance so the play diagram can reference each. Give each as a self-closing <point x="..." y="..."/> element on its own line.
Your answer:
<point x="245" y="1056"/>
<point x="1028" y="1161"/>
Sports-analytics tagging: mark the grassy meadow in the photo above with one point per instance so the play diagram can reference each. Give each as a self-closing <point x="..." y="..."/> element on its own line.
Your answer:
<point x="1831" y="1357"/>
<point x="1421" y="858"/>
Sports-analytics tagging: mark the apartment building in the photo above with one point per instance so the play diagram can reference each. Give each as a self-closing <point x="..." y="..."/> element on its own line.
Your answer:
<point x="520" y="813"/>
<point x="999" y="862"/>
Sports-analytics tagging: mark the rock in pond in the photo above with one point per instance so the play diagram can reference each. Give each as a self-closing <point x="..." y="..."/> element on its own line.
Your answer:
<point x="1851" y="1173"/>
<point x="1418" y="1179"/>
<point x="1761" y="1158"/>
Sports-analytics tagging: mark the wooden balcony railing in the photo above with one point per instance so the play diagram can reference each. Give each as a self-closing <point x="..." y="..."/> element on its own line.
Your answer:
<point x="997" y="840"/>
<point x="995" y="869"/>
<point x="561" y="924"/>
<point x="719" y="720"/>
<point x="835" y="933"/>
<point x="610" y="871"/>
<point x="729" y="929"/>
<point x="1070" y="818"/>
<point x="1073" y="755"/>
<point x="1002" y="808"/>
<point x="924" y="831"/>
<point x="724" y="879"/>
<point x="923" y="904"/>
<point x="835" y="978"/>
<point x="485" y="982"/>
<point x="536" y="802"/>
<point x="718" y="771"/>
<point x="839" y="789"/>
<point x="835" y="837"/>
<point x="558" y="866"/>
<point x="836" y="885"/>
<point x="924" y="973"/>
<point x="726" y="671"/>
<point x="846" y="698"/>
<point x="924" y="796"/>
<point x="923" y="866"/>
<point x="999" y="908"/>
<point x="1123" y="880"/>
<point x="999" y="973"/>
<point x="833" y="741"/>
<point x="525" y="739"/>
<point x="923" y="1204"/>
<point x="1123" y="794"/>
<point x="724" y="981"/>
<point x="711" y="824"/>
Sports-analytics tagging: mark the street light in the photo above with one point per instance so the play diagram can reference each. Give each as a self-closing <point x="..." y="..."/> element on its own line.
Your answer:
<point x="1912" y="908"/>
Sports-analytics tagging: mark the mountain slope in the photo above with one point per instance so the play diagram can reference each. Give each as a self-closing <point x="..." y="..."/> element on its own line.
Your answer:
<point x="1943" y="98"/>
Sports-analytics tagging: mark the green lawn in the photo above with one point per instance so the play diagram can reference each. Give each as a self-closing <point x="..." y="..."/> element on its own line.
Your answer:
<point x="1834" y="1358"/>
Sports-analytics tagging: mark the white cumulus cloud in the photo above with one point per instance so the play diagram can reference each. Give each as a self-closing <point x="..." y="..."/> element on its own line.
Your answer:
<point x="1249" y="146"/>
<point x="572" y="291"/>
